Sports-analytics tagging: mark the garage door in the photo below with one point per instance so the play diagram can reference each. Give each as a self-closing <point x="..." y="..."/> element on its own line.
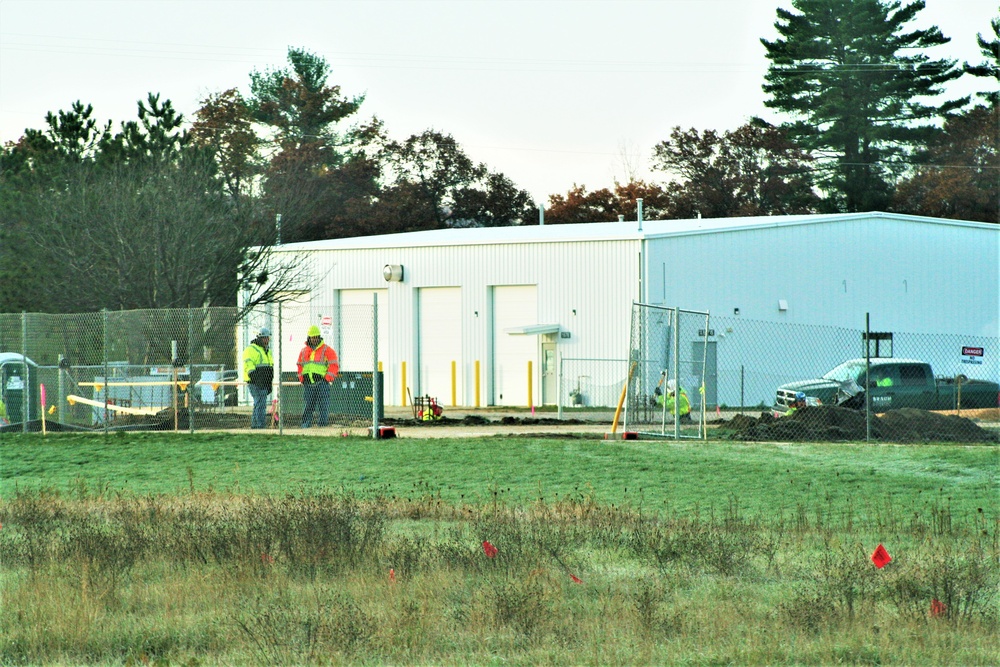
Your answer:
<point x="513" y="307"/>
<point x="440" y="343"/>
<point x="354" y="335"/>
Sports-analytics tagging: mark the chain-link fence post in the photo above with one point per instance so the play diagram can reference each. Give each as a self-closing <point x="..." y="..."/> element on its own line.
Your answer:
<point x="107" y="374"/>
<point x="376" y="379"/>
<point x="25" y="403"/>
<point x="868" y="370"/>
<point x="189" y="394"/>
<point x="279" y="407"/>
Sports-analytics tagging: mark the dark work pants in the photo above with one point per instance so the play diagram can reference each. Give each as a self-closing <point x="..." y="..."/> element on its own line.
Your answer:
<point x="317" y="398"/>
<point x="258" y="419"/>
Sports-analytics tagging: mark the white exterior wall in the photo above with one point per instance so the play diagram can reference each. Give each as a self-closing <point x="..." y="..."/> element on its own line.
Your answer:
<point x="596" y="279"/>
<point x="912" y="275"/>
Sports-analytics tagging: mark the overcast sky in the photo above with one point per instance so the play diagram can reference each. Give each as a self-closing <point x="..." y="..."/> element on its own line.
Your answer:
<point x="550" y="93"/>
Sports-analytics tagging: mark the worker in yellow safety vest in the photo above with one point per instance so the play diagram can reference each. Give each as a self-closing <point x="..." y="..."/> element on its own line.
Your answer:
<point x="258" y="373"/>
<point x="675" y="398"/>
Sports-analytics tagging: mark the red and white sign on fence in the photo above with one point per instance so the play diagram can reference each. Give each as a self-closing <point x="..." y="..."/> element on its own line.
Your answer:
<point x="972" y="355"/>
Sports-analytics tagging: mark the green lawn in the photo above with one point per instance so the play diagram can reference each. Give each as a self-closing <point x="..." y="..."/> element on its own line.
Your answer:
<point x="654" y="474"/>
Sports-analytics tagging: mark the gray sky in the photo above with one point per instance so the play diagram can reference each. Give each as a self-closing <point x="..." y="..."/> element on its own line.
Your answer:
<point x="550" y="93"/>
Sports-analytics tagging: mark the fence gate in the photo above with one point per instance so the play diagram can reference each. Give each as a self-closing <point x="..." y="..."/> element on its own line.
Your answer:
<point x="666" y="381"/>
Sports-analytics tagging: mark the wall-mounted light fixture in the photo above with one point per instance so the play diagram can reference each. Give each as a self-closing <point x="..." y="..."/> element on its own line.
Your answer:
<point x="782" y="305"/>
<point x="393" y="273"/>
<point x="736" y="311"/>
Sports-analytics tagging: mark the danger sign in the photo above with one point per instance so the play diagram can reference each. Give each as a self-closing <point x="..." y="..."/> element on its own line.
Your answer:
<point x="972" y="355"/>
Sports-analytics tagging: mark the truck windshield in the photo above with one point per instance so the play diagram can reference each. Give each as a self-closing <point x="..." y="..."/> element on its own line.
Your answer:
<point x="849" y="370"/>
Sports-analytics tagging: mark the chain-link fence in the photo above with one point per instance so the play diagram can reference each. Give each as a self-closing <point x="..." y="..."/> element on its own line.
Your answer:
<point x="667" y="372"/>
<point x="782" y="382"/>
<point x="590" y="383"/>
<point x="178" y="369"/>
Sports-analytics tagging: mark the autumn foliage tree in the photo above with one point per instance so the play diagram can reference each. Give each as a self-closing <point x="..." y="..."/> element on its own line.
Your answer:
<point x="961" y="176"/>
<point x="431" y="183"/>
<point x="606" y="205"/>
<point x="753" y="170"/>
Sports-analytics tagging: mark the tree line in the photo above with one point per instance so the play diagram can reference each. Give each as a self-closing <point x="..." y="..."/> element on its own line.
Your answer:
<point x="159" y="213"/>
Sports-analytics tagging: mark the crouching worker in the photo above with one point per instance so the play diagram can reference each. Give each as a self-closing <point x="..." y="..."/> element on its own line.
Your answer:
<point x="798" y="403"/>
<point x="672" y="402"/>
<point x="258" y="373"/>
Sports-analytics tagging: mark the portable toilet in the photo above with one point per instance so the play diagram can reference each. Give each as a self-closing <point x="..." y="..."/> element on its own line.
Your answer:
<point x="19" y="387"/>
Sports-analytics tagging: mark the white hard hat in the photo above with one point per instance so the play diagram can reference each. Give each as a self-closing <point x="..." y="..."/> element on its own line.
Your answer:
<point x="671" y="386"/>
<point x="264" y="333"/>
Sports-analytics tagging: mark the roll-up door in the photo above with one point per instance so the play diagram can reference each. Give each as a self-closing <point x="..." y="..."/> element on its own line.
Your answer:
<point x="440" y="343"/>
<point x="513" y="307"/>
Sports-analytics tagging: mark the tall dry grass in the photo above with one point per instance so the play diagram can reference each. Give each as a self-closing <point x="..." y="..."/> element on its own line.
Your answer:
<point x="206" y="579"/>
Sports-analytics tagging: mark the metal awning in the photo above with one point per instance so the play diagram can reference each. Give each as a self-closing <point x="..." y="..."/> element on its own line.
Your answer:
<point x="532" y="330"/>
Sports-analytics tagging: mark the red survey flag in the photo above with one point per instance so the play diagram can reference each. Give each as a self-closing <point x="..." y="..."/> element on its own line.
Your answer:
<point x="576" y="579"/>
<point x="881" y="557"/>
<point x="489" y="549"/>
<point x="937" y="607"/>
<point x="392" y="575"/>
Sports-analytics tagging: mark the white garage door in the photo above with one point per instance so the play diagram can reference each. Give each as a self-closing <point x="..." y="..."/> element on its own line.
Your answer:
<point x="354" y="335"/>
<point x="514" y="306"/>
<point x="440" y="343"/>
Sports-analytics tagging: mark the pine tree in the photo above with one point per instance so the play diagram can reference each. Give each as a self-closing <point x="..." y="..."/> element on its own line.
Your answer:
<point x="857" y="85"/>
<point x="990" y="69"/>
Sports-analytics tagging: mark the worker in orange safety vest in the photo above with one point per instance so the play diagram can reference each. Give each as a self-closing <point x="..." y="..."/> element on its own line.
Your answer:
<point x="317" y="369"/>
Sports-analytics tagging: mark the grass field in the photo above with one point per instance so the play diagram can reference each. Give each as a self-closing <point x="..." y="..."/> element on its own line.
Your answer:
<point x="232" y="549"/>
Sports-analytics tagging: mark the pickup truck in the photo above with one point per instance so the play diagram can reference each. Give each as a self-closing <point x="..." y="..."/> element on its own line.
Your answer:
<point x="892" y="384"/>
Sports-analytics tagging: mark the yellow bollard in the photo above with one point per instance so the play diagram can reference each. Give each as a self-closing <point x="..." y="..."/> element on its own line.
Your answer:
<point x="404" y="383"/>
<point x="531" y="403"/>
<point x="477" y="383"/>
<point x="453" y="384"/>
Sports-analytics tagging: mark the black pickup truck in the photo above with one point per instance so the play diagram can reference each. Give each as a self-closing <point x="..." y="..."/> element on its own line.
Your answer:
<point x="891" y="384"/>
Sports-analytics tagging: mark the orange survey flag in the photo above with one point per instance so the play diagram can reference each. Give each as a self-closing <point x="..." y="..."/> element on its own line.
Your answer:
<point x="881" y="557"/>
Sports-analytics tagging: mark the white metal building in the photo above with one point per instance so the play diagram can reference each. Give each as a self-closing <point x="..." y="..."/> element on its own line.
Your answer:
<point x="499" y="298"/>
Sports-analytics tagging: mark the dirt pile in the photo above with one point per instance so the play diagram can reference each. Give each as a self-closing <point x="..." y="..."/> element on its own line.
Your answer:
<point x="835" y="424"/>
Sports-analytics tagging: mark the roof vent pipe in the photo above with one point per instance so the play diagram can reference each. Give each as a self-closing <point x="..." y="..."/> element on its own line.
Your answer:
<point x="639" y="202"/>
<point x="621" y="218"/>
<point x="541" y="215"/>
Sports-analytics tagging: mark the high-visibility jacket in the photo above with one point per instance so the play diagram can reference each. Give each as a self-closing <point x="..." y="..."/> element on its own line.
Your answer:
<point x="258" y="365"/>
<point x="684" y="402"/>
<point x="319" y="363"/>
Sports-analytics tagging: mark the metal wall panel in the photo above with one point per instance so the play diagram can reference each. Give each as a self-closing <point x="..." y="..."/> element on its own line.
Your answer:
<point x="586" y="287"/>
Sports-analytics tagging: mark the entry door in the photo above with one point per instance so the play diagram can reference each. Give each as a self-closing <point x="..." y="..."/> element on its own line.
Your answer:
<point x="513" y="306"/>
<point x="699" y="352"/>
<point x="550" y="374"/>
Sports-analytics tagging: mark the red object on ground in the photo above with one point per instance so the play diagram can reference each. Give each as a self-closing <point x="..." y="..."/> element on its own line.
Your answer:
<point x="576" y="579"/>
<point x="937" y="607"/>
<point x="881" y="557"/>
<point x="489" y="549"/>
<point x="392" y="576"/>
